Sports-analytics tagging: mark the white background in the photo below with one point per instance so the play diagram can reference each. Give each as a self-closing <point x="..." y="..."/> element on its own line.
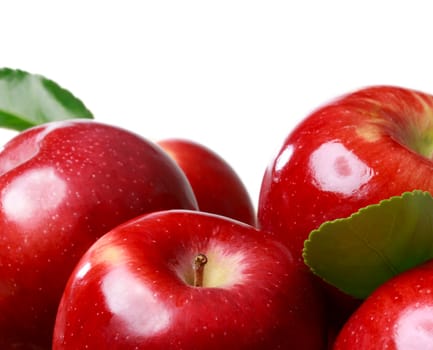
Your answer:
<point x="234" y="75"/>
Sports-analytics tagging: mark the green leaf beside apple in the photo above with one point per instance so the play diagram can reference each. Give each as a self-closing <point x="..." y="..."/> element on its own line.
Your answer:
<point x="359" y="253"/>
<point x="28" y="99"/>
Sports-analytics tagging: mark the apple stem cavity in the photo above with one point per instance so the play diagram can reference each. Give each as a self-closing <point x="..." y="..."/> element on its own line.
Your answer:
<point x="200" y="261"/>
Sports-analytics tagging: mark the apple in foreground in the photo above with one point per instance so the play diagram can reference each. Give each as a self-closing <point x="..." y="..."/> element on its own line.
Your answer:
<point x="183" y="279"/>
<point x="357" y="150"/>
<point x="63" y="185"/>
<point x="354" y="151"/>
<point x="216" y="185"/>
<point x="396" y="316"/>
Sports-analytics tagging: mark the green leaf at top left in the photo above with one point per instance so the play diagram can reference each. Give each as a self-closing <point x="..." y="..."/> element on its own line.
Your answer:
<point x="28" y="99"/>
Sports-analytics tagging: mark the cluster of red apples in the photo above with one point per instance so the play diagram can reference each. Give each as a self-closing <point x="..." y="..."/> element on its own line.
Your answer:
<point x="111" y="241"/>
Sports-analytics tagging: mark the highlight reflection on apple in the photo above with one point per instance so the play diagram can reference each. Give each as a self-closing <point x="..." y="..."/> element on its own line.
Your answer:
<point x="336" y="169"/>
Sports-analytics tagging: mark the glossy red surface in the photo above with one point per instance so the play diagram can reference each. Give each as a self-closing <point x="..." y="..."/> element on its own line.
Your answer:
<point x="352" y="152"/>
<point x="217" y="187"/>
<point x="356" y="150"/>
<point x="397" y="316"/>
<point x="132" y="290"/>
<point x="62" y="185"/>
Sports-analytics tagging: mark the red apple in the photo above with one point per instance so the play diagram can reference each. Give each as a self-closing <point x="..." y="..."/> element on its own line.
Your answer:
<point x="146" y="285"/>
<point x="396" y="316"/>
<point x="354" y="151"/>
<point x="357" y="150"/>
<point x="63" y="185"/>
<point x="216" y="185"/>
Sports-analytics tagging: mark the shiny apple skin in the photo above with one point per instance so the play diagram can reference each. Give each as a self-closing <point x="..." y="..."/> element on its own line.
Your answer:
<point x="396" y="316"/>
<point x="356" y="150"/>
<point x="216" y="185"/>
<point x="351" y="152"/>
<point x="129" y="290"/>
<point x="63" y="185"/>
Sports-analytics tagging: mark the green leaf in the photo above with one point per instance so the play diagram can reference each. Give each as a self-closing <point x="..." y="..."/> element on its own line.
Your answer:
<point x="27" y="100"/>
<point x="359" y="253"/>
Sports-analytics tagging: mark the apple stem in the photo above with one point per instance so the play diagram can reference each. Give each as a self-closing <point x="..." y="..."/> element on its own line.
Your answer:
<point x="199" y="262"/>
